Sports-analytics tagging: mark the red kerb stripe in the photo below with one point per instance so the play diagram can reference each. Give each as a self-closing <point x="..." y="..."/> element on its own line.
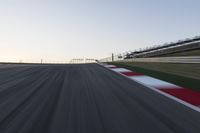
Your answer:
<point x="187" y="95"/>
<point x="132" y="73"/>
<point x="112" y="67"/>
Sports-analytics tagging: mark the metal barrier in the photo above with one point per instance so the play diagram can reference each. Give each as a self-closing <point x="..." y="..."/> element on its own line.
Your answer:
<point x="191" y="59"/>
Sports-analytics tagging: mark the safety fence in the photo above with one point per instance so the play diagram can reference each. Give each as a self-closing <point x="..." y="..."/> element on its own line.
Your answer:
<point x="188" y="59"/>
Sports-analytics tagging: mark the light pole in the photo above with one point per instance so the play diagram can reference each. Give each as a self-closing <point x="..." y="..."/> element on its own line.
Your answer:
<point x="112" y="57"/>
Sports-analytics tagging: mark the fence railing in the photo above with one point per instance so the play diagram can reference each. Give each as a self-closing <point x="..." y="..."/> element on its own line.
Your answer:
<point x="112" y="58"/>
<point x="190" y="59"/>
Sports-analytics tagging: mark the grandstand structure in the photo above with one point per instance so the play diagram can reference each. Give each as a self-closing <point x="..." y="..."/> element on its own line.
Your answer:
<point x="182" y="47"/>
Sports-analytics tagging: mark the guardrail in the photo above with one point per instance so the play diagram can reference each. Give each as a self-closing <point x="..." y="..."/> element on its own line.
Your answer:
<point x="190" y="59"/>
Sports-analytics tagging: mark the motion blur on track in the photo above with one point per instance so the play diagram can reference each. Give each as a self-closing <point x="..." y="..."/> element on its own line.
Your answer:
<point x="85" y="98"/>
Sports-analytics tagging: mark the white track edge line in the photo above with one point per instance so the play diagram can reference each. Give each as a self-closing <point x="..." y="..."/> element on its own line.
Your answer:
<point x="162" y="93"/>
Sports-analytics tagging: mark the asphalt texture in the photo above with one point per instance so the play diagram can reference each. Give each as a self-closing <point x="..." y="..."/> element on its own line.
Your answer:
<point x="85" y="98"/>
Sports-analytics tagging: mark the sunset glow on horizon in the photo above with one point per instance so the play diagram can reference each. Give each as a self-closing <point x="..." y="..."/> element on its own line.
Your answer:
<point x="59" y="30"/>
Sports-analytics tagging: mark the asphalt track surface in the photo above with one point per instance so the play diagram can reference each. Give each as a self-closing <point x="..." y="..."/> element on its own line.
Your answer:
<point x="85" y="99"/>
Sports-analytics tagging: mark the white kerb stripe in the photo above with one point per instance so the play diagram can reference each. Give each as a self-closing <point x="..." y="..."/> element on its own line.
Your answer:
<point x="170" y="96"/>
<point x="153" y="82"/>
<point x="110" y="66"/>
<point x="120" y="70"/>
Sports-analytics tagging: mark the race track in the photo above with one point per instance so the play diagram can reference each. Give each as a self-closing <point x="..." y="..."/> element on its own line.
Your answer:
<point x="85" y="98"/>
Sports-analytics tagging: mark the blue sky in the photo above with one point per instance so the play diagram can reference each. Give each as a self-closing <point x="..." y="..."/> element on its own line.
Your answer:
<point x="65" y="29"/>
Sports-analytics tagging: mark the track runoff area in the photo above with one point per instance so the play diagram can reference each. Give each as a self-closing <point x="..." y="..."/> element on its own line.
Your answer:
<point x="87" y="98"/>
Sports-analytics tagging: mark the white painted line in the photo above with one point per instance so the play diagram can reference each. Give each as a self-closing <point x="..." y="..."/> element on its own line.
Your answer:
<point x="153" y="82"/>
<point x="110" y="66"/>
<point x="167" y="95"/>
<point x="120" y="70"/>
<point x="176" y="99"/>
